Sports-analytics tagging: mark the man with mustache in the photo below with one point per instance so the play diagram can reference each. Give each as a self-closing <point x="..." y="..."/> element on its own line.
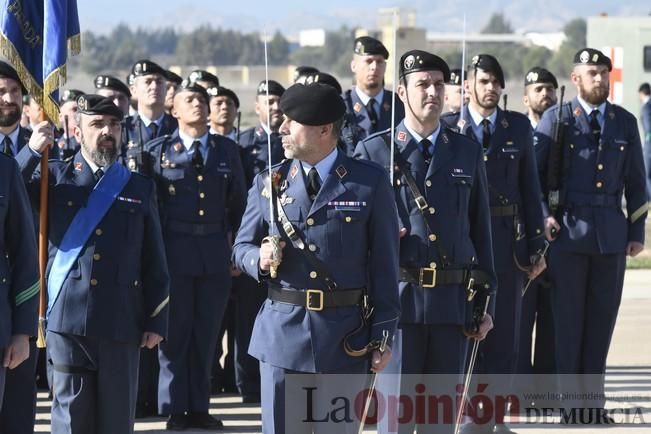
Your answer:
<point x="602" y="161"/>
<point x="202" y="194"/>
<point x="368" y="103"/>
<point x="516" y="214"/>
<point x="151" y="121"/>
<point x="445" y="228"/>
<point x="453" y="92"/>
<point x="540" y="87"/>
<point x="253" y="141"/>
<point x="107" y="274"/>
<point x="18" y="412"/>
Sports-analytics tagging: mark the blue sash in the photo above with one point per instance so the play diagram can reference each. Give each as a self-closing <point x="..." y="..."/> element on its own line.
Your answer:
<point x="82" y="226"/>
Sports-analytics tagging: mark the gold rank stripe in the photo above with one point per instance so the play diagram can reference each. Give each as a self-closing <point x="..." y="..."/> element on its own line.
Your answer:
<point x="28" y="293"/>
<point x="639" y="212"/>
<point x="160" y="307"/>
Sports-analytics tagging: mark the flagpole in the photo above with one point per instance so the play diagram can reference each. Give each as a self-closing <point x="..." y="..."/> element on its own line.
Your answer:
<point x="43" y="248"/>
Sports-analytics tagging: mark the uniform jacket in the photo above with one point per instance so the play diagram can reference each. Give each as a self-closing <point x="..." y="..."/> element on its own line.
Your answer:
<point x="119" y="287"/>
<point x="135" y="135"/>
<point x="595" y="178"/>
<point x="352" y="227"/>
<point x="254" y="151"/>
<point x="512" y="180"/>
<point x="646" y="122"/>
<point x="213" y="199"/>
<point x="454" y="186"/>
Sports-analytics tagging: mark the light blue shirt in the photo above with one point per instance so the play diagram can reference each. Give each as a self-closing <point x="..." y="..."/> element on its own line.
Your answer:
<point x="432" y="137"/>
<point x="323" y="167"/>
<point x="14" y="140"/>
<point x="366" y="98"/>
<point x="147" y="121"/>
<point x="587" y="108"/>
<point x="477" y="119"/>
<point x="188" y="141"/>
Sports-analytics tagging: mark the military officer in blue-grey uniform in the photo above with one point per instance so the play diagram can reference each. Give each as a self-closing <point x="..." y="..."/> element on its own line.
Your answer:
<point x="17" y="415"/>
<point x="341" y="212"/>
<point x="151" y="121"/>
<point x="645" y="119"/>
<point x="172" y="81"/>
<point x="202" y="194"/>
<point x="453" y="92"/>
<point x="602" y="161"/>
<point x="540" y="87"/>
<point x="66" y="141"/>
<point x="224" y="112"/>
<point x="253" y="142"/>
<point x="108" y="287"/>
<point x="516" y="215"/>
<point x="113" y="88"/>
<point x="367" y="102"/>
<point x="440" y="190"/>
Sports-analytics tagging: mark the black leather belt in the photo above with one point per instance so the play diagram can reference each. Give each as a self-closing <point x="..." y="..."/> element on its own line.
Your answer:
<point x="504" y="211"/>
<point x="592" y="199"/>
<point x="195" y="228"/>
<point x="432" y="277"/>
<point x="316" y="299"/>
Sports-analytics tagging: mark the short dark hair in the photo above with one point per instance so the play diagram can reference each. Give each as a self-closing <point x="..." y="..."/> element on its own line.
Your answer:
<point x="645" y="89"/>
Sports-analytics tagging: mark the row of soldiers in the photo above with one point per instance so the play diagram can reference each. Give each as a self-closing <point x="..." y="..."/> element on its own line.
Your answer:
<point x="464" y="219"/>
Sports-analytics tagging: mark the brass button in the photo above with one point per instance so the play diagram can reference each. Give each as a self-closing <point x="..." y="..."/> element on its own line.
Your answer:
<point x="432" y="237"/>
<point x="4" y="280"/>
<point x="348" y="219"/>
<point x="200" y="178"/>
<point x="485" y="157"/>
<point x="600" y="184"/>
<point x="312" y="248"/>
<point x="428" y="183"/>
<point x="432" y="210"/>
<point x="97" y="256"/>
<point x="538" y="231"/>
<point x="310" y="221"/>
<point x="93" y="282"/>
<point x="69" y="203"/>
<point x="136" y="283"/>
<point x="432" y="265"/>
<point x="313" y="274"/>
<point x="512" y="157"/>
<point x="201" y="212"/>
<point x="98" y="231"/>
<point x="600" y="166"/>
<point x="202" y="195"/>
<point x="621" y="148"/>
<point x="571" y="145"/>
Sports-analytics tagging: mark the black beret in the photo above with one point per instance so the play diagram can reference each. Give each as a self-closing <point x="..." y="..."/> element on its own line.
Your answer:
<point x="203" y="75"/>
<point x="455" y="77"/>
<point x="325" y="78"/>
<point x="173" y="77"/>
<point x="192" y="86"/>
<point x="91" y="104"/>
<point x="488" y="63"/>
<point x="590" y="56"/>
<point x="312" y="104"/>
<point x="540" y="75"/>
<point x="110" y="82"/>
<point x="70" y="95"/>
<point x="8" y="71"/>
<point x="302" y="71"/>
<point x="418" y="60"/>
<point x="223" y="91"/>
<point x="366" y="46"/>
<point x="146" y="67"/>
<point x="275" y="88"/>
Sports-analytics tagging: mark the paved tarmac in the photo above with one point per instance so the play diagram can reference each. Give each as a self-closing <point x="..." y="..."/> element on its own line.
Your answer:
<point x="629" y="374"/>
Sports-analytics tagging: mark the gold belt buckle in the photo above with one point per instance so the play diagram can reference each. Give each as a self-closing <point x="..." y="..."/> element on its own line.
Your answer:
<point x="308" y="300"/>
<point x="421" y="277"/>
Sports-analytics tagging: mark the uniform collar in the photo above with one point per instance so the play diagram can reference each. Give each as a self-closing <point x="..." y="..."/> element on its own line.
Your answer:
<point x="93" y="167"/>
<point x="365" y="98"/>
<point x="534" y="123"/>
<point x="232" y="135"/>
<point x="477" y="118"/>
<point x="432" y="137"/>
<point x="587" y="108"/>
<point x="147" y="121"/>
<point x="14" y="139"/>
<point x="324" y="166"/>
<point x="188" y="140"/>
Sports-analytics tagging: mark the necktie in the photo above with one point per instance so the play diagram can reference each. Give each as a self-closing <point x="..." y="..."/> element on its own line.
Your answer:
<point x="426" y="148"/>
<point x="6" y="146"/>
<point x="486" y="133"/>
<point x="154" y="130"/>
<point x="372" y="114"/>
<point x="98" y="174"/>
<point x="197" y="158"/>
<point x="595" y="128"/>
<point x="313" y="183"/>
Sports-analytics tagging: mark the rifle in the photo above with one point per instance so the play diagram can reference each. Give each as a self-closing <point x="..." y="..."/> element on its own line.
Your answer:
<point x="555" y="162"/>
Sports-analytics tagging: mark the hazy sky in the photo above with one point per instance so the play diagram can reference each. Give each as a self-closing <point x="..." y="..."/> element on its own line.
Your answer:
<point x="293" y="15"/>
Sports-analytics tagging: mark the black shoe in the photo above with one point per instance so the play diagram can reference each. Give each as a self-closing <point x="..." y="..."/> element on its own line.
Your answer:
<point x="500" y="428"/>
<point x="177" y="422"/>
<point x="204" y="421"/>
<point x="253" y="398"/>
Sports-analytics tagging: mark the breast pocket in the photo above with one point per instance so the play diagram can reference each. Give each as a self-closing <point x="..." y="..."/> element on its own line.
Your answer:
<point x="129" y="219"/>
<point x="615" y="156"/>
<point x="461" y="185"/>
<point x="347" y="231"/>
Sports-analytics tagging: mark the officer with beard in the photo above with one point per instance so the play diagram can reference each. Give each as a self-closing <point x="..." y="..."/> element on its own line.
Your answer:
<point x="107" y="275"/>
<point x="602" y="161"/>
<point x="540" y="87"/>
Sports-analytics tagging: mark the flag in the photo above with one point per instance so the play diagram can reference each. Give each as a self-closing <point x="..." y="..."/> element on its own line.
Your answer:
<point x="35" y="38"/>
